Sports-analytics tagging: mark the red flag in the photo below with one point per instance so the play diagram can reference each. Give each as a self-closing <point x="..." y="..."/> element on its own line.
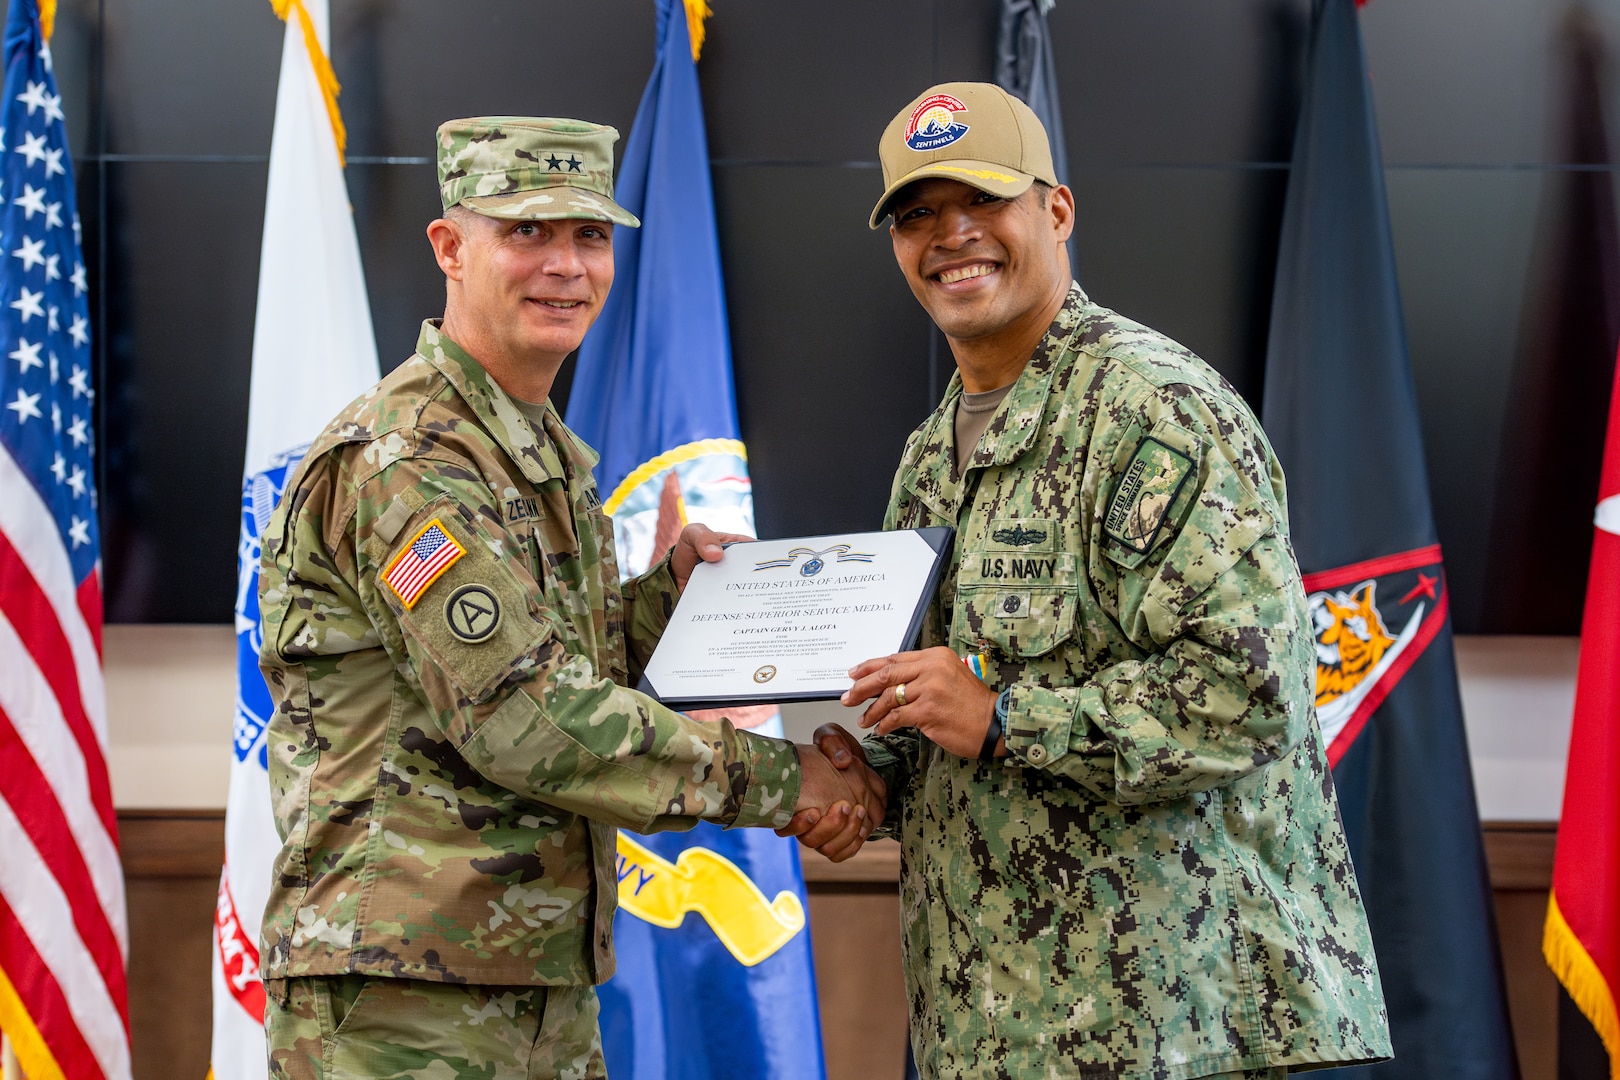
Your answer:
<point x="1582" y="941"/>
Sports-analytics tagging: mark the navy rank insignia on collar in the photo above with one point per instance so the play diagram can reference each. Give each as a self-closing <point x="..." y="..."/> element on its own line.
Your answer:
<point x="1145" y="494"/>
<point x="1018" y="536"/>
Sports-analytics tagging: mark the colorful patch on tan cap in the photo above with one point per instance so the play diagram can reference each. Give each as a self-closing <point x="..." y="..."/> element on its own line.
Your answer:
<point x="933" y="123"/>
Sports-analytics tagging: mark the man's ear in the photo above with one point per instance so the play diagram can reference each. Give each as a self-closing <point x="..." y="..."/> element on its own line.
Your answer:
<point x="1060" y="204"/>
<point x="447" y="239"/>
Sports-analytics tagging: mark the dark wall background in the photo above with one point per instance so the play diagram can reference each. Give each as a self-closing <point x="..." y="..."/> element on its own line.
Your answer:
<point x="1179" y="118"/>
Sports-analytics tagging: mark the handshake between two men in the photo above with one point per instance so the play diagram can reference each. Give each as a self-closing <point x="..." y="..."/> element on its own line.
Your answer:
<point x="930" y="690"/>
<point x="842" y="798"/>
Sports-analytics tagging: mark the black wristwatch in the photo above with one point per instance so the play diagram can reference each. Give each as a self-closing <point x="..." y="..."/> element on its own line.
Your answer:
<point x="998" y="723"/>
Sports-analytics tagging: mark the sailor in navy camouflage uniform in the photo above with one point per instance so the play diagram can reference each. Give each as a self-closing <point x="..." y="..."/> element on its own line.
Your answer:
<point x="1121" y="849"/>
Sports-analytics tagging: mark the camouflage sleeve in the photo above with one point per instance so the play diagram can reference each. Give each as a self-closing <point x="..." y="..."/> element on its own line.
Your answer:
<point x="1214" y="603"/>
<point x="894" y="757"/>
<point x="649" y="601"/>
<point x="516" y="694"/>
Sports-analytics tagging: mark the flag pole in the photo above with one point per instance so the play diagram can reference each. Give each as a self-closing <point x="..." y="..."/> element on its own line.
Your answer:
<point x="9" y="1069"/>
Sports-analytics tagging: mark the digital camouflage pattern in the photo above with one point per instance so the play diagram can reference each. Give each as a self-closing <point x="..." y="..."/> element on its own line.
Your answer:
<point x="1155" y="882"/>
<point x="446" y="784"/>
<point x="529" y="168"/>
<point x="482" y="1032"/>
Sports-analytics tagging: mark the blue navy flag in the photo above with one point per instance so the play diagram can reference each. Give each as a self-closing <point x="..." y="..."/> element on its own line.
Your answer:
<point x="1341" y="410"/>
<point x="63" y="930"/>
<point x="715" y="975"/>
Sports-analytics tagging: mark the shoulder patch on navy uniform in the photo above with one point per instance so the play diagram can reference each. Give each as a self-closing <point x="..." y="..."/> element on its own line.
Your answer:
<point x="472" y="613"/>
<point x="1145" y="494"/>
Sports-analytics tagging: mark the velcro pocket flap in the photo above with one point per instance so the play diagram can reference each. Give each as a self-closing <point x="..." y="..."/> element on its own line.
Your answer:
<point x="1016" y="618"/>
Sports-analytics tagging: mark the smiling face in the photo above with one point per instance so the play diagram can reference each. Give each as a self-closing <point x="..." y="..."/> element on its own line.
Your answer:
<point x="988" y="270"/>
<point x="521" y="294"/>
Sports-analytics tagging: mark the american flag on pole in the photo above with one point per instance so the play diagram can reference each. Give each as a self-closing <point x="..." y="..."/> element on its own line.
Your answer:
<point x="63" y="935"/>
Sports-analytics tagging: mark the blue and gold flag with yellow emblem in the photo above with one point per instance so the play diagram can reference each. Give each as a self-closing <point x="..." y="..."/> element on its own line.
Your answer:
<point x="715" y="977"/>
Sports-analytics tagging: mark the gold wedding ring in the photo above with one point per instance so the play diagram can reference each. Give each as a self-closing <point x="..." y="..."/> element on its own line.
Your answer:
<point x="899" y="694"/>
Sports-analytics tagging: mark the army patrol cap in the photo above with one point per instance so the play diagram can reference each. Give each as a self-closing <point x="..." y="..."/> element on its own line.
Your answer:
<point x="529" y="168"/>
<point x="976" y="133"/>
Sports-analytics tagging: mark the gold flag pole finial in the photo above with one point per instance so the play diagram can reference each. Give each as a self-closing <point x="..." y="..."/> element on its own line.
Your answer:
<point x="324" y="75"/>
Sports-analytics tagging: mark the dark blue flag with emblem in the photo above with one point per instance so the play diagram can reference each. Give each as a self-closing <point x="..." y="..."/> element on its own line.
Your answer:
<point x="715" y="977"/>
<point x="1341" y="409"/>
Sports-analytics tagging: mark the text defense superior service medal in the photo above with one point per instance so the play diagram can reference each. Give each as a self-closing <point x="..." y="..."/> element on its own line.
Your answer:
<point x="785" y="620"/>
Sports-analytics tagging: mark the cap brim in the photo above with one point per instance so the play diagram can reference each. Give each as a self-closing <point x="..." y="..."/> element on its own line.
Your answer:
<point x="996" y="179"/>
<point x="551" y="204"/>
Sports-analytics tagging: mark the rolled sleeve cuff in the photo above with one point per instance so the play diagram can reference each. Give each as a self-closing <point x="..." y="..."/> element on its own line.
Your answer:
<point x="885" y="762"/>
<point x="655" y="583"/>
<point x="773" y="782"/>
<point x="893" y="771"/>
<point x="1040" y="725"/>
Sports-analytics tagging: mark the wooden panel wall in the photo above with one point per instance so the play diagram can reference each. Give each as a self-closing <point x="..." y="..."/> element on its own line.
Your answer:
<point x="1521" y="858"/>
<point x="172" y="861"/>
<point x="171" y="875"/>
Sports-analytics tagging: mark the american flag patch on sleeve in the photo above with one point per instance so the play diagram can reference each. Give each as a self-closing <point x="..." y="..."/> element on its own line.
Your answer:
<point x="430" y="553"/>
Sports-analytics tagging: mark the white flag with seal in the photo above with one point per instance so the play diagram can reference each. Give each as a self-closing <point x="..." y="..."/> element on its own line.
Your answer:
<point x="313" y="352"/>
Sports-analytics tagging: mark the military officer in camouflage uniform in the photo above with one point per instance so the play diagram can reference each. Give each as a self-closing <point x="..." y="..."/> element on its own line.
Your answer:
<point x="1121" y="850"/>
<point x="448" y="646"/>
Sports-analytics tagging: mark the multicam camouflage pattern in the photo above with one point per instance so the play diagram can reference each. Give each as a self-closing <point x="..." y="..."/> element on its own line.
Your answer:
<point x="529" y="168"/>
<point x="1155" y="882"/>
<point x="479" y="1032"/>
<point x="447" y="807"/>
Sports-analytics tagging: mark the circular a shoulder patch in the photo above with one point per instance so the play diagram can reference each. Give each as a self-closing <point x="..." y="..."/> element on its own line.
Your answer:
<point x="472" y="613"/>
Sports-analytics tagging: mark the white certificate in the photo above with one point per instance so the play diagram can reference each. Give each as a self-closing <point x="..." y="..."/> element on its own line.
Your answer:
<point x="785" y="620"/>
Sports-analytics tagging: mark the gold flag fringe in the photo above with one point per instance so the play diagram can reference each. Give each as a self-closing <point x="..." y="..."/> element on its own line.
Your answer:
<point x="696" y="12"/>
<point x="1587" y="987"/>
<point x="47" y="18"/>
<point x="324" y="75"/>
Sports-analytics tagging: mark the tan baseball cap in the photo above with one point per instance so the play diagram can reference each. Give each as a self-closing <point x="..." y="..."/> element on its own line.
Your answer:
<point x="976" y="133"/>
<point x="529" y="168"/>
